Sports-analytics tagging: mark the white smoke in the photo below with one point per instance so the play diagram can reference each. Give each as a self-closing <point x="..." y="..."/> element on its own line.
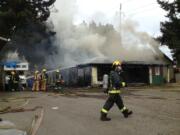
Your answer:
<point x="14" y="56"/>
<point x="78" y="43"/>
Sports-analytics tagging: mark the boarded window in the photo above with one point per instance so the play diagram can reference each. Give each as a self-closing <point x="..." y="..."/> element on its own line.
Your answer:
<point x="157" y="70"/>
<point x="24" y="66"/>
<point x="18" y="66"/>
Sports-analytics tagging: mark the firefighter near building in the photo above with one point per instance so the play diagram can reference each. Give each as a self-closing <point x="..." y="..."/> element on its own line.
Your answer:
<point x="116" y="82"/>
<point x="37" y="79"/>
<point x="44" y="78"/>
<point x="14" y="81"/>
<point x="58" y="80"/>
<point x="14" y="75"/>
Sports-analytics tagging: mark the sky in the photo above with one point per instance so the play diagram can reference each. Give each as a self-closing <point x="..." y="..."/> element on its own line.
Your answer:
<point x="146" y="13"/>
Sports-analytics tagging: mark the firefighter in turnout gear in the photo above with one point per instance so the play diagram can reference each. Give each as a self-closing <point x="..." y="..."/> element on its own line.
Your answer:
<point x="116" y="82"/>
<point x="14" y="81"/>
<point x="58" y="80"/>
<point x="36" y="83"/>
<point x="44" y="78"/>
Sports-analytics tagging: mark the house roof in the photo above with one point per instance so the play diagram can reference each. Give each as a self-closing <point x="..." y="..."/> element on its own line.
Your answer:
<point x="166" y="52"/>
<point x="100" y="61"/>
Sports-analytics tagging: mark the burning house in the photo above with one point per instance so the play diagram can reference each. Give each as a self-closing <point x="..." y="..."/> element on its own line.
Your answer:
<point x="137" y="72"/>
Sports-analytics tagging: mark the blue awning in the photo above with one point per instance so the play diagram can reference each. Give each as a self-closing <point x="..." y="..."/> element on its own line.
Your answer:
<point x="11" y="64"/>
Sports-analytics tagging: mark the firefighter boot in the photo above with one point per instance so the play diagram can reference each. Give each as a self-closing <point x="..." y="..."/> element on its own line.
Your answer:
<point x="126" y="113"/>
<point x="104" y="117"/>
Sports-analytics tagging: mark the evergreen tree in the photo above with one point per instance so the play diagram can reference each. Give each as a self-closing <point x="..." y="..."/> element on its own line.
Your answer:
<point x="18" y="14"/>
<point x="171" y="28"/>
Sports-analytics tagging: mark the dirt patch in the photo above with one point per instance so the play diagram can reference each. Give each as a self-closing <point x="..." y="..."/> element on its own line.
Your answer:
<point x="78" y="95"/>
<point x="167" y="90"/>
<point x="146" y="96"/>
<point x="15" y="99"/>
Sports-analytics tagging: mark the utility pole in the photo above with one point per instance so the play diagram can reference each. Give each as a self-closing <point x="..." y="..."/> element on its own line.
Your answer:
<point x="120" y="24"/>
<point x="3" y="42"/>
<point x="8" y="39"/>
<point x="120" y="15"/>
<point x="5" y="39"/>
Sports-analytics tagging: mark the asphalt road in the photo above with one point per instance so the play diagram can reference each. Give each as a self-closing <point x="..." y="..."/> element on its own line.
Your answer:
<point x="156" y="112"/>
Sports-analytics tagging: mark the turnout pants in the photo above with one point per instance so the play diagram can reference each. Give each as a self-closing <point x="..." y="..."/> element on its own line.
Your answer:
<point x="36" y="86"/>
<point x="15" y="86"/>
<point x="43" y="85"/>
<point x="113" y="98"/>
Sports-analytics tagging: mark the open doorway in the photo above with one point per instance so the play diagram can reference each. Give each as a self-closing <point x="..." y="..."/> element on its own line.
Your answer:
<point x="136" y="73"/>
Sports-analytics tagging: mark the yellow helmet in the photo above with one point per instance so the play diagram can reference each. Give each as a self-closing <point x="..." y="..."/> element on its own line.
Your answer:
<point x="36" y="71"/>
<point x="44" y="70"/>
<point x="12" y="72"/>
<point x="57" y="70"/>
<point x="116" y="63"/>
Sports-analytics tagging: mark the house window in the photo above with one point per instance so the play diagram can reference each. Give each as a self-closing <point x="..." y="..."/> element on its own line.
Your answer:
<point x="157" y="70"/>
<point x="18" y="66"/>
<point x="23" y="66"/>
<point x="80" y="72"/>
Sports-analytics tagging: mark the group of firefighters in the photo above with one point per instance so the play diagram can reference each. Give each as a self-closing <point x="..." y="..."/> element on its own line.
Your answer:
<point x="13" y="81"/>
<point x="40" y="80"/>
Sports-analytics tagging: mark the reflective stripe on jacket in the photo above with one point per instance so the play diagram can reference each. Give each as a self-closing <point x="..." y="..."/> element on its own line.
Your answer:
<point x="114" y="91"/>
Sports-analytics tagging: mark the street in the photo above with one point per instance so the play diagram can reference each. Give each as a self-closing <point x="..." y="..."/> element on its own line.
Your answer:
<point x="156" y="111"/>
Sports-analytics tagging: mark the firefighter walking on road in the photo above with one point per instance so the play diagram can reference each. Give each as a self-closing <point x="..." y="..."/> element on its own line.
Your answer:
<point x="44" y="78"/>
<point x="115" y="83"/>
<point x="36" y="83"/>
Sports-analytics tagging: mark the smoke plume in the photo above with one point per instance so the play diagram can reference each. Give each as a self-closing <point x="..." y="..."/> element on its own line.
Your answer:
<point x="14" y="56"/>
<point x="87" y="41"/>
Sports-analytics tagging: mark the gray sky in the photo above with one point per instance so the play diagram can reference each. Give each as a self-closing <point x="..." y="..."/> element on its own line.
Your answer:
<point x="147" y="13"/>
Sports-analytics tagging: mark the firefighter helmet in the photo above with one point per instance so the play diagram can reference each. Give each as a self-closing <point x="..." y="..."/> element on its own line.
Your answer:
<point x="116" y="63"/>
<point x="12" y="72"/>
<point x="44" y="70"/>
<point x="36" y="71"/>
<point x="57" y="70"/>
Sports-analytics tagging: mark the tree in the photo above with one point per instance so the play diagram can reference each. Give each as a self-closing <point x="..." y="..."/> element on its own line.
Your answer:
<point x="171" y="28"/>
<point x="17" y="14"/>
<point x="24" y="22"/>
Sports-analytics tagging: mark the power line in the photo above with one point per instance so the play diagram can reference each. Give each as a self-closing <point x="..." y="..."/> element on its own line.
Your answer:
<point x="138" y="10"/>
<point x="142" y="7"/>
<point x="126" y="2"/>
<point x="142" y="11"/>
